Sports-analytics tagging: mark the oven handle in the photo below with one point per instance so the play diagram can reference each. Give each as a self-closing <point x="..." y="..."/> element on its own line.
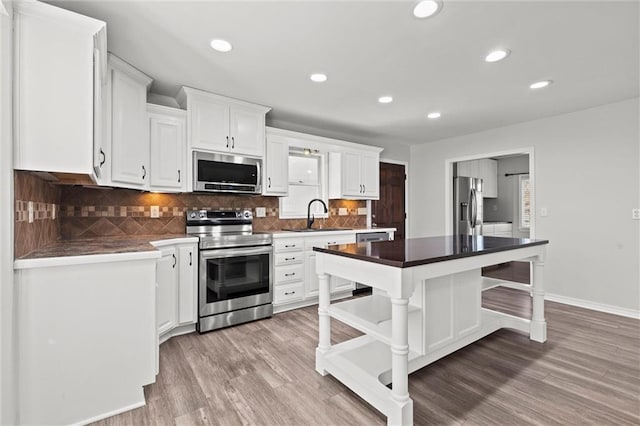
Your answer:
<point x="233" y="252"/>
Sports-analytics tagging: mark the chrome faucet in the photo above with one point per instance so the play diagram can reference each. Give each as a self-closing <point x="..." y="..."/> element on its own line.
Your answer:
<point x="310" y="217"/>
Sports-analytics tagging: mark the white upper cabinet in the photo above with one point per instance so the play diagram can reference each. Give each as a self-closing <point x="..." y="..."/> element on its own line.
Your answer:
<point x="56" y="52"/>
<point x="219" y="124"/>
<point x="167" y="134"/>
<point x="128" y="124"/>
<point x="355" y="174"/>
<point x="276" y="169"/>
<point x="486" y="169"/>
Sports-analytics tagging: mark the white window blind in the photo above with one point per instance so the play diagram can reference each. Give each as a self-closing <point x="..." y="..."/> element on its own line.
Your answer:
<point x="525" y="201"/>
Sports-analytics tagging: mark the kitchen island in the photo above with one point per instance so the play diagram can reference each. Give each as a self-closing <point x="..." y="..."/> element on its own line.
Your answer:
<point x="426" y="304"/>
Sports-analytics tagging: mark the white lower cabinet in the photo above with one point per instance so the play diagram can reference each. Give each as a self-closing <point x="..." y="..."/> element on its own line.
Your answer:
<point x="177" y="284"/>
<point x="166" y="290"/>
<point x="295" y="278"/>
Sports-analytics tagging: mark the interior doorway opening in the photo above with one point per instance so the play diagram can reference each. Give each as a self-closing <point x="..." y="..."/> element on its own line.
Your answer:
<point x="508" y="203"/>
<point x="390" y="210"/>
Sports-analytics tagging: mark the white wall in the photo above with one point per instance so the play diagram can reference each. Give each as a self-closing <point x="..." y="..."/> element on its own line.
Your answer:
<point x="7" y="345"/>
<point x="587" y="176"/>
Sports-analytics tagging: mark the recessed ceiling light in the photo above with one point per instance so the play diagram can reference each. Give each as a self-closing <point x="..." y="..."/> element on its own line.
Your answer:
<point x="497" y="55"/>
<point x="221" y="45"/>
<point x="385" y="99"/>
<point x="318" y="78"/>
<point x="434" y="114"/>
<point x="426" y="8"/>
<point x="540" y="84"/>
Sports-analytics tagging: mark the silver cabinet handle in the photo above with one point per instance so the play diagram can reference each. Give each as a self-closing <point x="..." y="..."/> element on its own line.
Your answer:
<point x="290" y="275"/>
<point x="289" y="293"/>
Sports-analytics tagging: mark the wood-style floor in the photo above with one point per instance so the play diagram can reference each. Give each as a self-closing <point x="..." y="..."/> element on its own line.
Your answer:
<point x="262" y="373"/>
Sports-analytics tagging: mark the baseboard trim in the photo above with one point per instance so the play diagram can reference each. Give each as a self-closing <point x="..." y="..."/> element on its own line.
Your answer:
<point x="112" y="413"/>
<point x="594" y="306"/>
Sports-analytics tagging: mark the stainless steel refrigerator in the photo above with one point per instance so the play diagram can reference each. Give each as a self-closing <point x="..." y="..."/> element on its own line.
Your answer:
<point x="467" y="206"/>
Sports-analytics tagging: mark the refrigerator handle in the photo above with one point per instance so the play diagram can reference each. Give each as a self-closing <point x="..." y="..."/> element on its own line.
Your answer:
<point x="474" y="208"/>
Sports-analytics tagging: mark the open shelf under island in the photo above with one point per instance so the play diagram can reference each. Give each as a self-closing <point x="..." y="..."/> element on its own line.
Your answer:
<point x="426" y="304"/>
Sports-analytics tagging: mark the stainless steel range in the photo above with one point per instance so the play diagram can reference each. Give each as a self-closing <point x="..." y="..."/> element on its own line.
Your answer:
<point x="235" y="272"/>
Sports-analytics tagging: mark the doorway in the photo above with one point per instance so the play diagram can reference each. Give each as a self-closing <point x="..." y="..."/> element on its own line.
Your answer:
<point x="509" y="208"/>
<point x="390" y="210"/>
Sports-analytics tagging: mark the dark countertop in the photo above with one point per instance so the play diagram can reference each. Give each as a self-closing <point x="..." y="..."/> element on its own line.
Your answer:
<point x="421" y="251"/>
<point x="100" y="245"/>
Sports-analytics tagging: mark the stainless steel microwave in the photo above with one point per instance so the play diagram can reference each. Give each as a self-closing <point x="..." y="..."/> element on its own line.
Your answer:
<point x="226" y="173"/>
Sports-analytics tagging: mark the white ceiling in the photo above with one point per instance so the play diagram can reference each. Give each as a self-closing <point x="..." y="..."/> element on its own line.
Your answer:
<point x="372" y="48"/>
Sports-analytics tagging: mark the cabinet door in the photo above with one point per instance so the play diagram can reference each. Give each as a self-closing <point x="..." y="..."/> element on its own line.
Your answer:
<point x="351" y="183"/>
<point x="129" y="137"/>
<point x="246" y="130"/>
<point x="166" y="276"/>
<point x="100" y="87"/>
<point x="167" y="152"/>
<point x="187" y="285"/>
<point x="209" y="124"/>
<point x="370" y="175"/>
<point x="489" y="174"/>
<point x="468" y="169"/>
<point x="276" y="175"/>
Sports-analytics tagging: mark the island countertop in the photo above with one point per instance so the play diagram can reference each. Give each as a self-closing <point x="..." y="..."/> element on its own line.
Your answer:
<point x="421" y="251"/>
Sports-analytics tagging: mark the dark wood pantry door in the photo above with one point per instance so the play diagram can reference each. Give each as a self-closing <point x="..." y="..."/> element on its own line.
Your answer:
<point x="389" y="212"/>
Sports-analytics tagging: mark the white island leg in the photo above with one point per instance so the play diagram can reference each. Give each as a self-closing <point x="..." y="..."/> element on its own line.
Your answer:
<point x="401" y="412"/>
<point x="538" y="323"/>
<point x="324" y="323"/>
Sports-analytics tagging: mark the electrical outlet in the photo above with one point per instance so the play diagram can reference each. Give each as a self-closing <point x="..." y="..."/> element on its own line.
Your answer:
<point x="635" y="214"/>
<point x="30" y="210"/>
<point x="155" y="212"/>
<point x="543" y="212"/>
<point x="342" y="211"/>
<point x="261" y="211"/>
<point x="362" y="210"/>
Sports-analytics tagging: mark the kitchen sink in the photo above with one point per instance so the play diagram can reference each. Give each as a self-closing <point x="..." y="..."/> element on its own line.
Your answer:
<point x="315" y="229"/>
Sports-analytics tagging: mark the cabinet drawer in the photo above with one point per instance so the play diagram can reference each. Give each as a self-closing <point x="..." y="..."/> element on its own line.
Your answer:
<point x="329" y="240"/>
<point x="285" y="274"/>
<point x="288" y="244"/>
<point x="488" y="229"/>
<point x="289" y="258"/>
<point x="288" y="293"/>
<point x="502" y="227"/>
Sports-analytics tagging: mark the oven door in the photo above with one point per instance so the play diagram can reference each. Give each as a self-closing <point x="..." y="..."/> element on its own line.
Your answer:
<point x="234" y="278"/>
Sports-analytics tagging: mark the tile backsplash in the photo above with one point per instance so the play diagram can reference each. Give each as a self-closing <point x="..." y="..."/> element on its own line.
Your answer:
<point x="90" y="212"/>
<point x="45" y="227"/>
<point x="71" y="212"/>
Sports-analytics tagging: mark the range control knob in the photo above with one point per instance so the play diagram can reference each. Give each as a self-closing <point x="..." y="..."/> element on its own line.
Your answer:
<point x="193" y="215"/>
<point x="202" y="215"/>
<point x="247" y="214"/>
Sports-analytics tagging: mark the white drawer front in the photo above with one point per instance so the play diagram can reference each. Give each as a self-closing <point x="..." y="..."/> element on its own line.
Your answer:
<point x="289" y="258"/>
<point x="288" y="293"/>
<point x="329" y="240"/>
<point x="285" y="274"/>
<point x="288" y="244"/>
<point x="503" y="227"/>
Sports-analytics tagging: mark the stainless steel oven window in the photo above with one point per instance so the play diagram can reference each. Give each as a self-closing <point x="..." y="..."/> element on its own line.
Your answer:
<point x="235" y="278"/>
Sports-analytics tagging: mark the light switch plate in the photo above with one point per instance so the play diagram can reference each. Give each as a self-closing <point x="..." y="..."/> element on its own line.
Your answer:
<point x="53" y="212"/>
<point x="155" y="212"/>
<point x="30" y="210"/>
<point x="362" y="210"/>
<point x="342" y="211"/>
<point x="261" y="211"/>
<point x="635" y="214"/>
